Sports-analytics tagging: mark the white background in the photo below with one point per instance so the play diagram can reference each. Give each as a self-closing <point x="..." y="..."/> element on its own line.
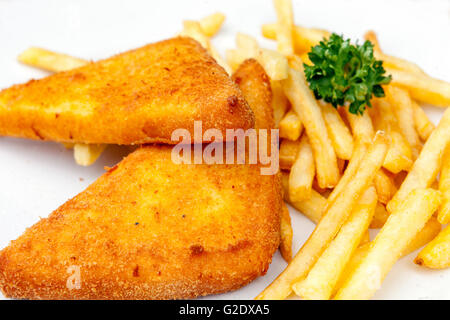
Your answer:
<point x="37" y="177"/>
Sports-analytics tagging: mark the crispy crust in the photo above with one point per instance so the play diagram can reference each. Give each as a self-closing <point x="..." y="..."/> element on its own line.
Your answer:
<point x="139" y="96"/>
<point x="202" y="229"/>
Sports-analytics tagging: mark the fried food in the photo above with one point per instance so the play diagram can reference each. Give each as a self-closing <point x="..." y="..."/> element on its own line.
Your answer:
<point x="152" y="229"/>
<point x="139" y="96"/>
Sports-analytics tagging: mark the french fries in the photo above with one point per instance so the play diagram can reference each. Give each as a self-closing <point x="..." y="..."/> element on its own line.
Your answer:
<point x="302" y="172"/>
<point x="339" y="133"/>
<point x="280" y="103"/>
<point x="400" y="228"/>
<point x="283" y="8"/>
<point x="362" y="127"/>
<point x="288" y="153"/>
<point x="211" y="24"/>
<point x="423" y="125"/>
<point x="303" y="38"/>
<point x="322" y="278"/>
<point x="331" y="222"/>
<point x="427" y="165"/>
<point x="380" y="216"/>
<point x="428" y="232"/>
<point x="305" y="105"/>
<point x="290" y="126"/>
<point x="436" y="254"/>
<point x="87" y="154"/>
<point x="50" y="61"/>
<point x="385" y="186"/>
<point x="286" y="234"/>
<point x="444" y="186"/>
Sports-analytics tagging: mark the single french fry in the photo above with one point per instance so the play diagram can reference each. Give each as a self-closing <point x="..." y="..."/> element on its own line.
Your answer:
<point x="427" y="165"/>
<point x="421" y="87"/>
<point x="280" y="103"/>
<point x="285" y="18"/>
<point x="50" y="61"/>
<point x="332" y="220"/>
<point x="312" y="208"/>
<point x="322" y="278"/>
<point x="274" y="63"/>
<point x="365" y="238"/>
<point x="87" y="154"/>
<point x="423" y="124"/>
<point x="390" y="61"/>
<point x="290" y="126"/>
<point x="305" y="105"/>
<point x="444" y="186"/>
<point x="194" y="30"/>
<point x="403" y="109"/>
<point x="288" y="153"/>
<point x="380" y="216"/>
<point x="385" y="186"/>
<point x="428" y="233"/>
<point x="399" y="157"/>
<point x="302" y="172"/>
<point x="303" y="38"/>
<point x="362" y="127"/>
<point x="436" y="254"/>
<point x="286" y="234"/>
<point x="339" y="133"/>
<point x="211" y="24"/>
<point x="389" y="244"/>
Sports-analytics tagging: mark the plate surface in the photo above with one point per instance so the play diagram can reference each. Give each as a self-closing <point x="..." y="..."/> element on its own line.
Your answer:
<point x="37" y="177"/>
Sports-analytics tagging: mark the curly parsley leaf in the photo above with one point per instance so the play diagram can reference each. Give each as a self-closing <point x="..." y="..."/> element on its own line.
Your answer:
<point x="345" y="73"/>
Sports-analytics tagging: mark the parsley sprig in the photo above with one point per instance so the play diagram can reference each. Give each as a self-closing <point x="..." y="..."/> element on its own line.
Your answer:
<point x="345" y="73"/>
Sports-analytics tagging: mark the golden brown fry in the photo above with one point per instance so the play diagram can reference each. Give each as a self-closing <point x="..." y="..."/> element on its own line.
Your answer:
<point x="428" y="233"/>
<point x="380" y="216"/>
<point x="305" y="105"/>
<point x="288" y="153"/>
<point x="211" y="24"/>
<point x="427" y="165"/>
<point x="290" y="126"/>
<point x="322" y="278"/>
<point x="48" y="60"/>
<point x="392" y="240"/>
<point x="385" y="186"/>
<point x="303" y="38"/>
<point x="436" y="254"/>
<point x="286" y="234"/>
<point x="285" y="16"/>
<point x="423" y="124"/>
<point x="330" y="223"/>
<point x="280" y="103"/>
<point x="444" y="187"/>
<point x="338" y="131"/>
<point x="302" y="172"/>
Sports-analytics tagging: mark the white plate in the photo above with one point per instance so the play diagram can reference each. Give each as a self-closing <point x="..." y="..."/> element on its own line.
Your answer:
<point x="37" y="177"/>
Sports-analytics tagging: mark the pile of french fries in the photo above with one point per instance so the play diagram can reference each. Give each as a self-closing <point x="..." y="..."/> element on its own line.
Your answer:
<point x="345" y="172"/>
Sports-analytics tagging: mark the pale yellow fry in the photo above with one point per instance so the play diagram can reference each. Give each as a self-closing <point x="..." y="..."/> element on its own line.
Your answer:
<point x="87" y="154"/>
<point x="288" y="153"/>
<point x="403" y="109"/>
<point x="338" y="131"/>
<point x="423" y="124"/>
<point x="280" y="103"/>
<point x="444" y="187"/>
<point x="193" y="29"/>
<point x="303" y="38"/>
<point x="390" y="61"/>
<point x="428" y="233"/>
<point x="322" y="278"/>
<point x="436" y="254"/>
<point x="285" y="17"/>
<point x="274" y="63"/>
<point x="330" y="223"/>
<point x="362" y="127"/>
<point x="290" y="126"/>
<point x="50" y="61"/>
<point x="286" y="234"/>
<point x="385" y="186"/>
<point x="389" y="244"/>
<point x="302" y="172"/>
<point x="422" y="88"/>
<point x="380" y="216"/>
<point x="305" y="105"/>
<point x="211" y="24"/>
<point x="427" y="165"/>
<point x="312" y="208"/>
<point x="399" y="157"/>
